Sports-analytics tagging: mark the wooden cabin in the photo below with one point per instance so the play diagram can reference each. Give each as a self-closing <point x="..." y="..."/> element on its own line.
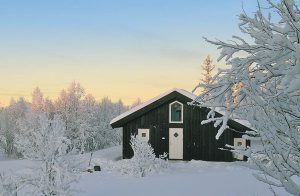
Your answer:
<point x="170" y="125"/>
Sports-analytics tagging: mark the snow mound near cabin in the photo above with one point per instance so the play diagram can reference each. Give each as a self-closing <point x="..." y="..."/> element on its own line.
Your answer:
<point x="102" y="157"/>
<point x="112" y="153"/>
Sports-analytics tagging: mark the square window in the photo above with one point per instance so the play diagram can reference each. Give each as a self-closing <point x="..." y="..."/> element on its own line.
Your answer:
<point x="143" y="134"/>
<point x="239" y="144"/>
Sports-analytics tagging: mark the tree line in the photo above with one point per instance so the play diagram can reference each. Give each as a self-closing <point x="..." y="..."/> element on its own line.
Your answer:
<point x="85" y="120"/>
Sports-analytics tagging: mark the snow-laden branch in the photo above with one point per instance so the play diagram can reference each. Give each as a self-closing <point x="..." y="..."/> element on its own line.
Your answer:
<point x="268" y="93"/>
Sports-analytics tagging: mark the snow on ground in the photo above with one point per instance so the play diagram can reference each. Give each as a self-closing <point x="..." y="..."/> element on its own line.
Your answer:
<point x="9" y="165"/>
<point x="113" y="153"/>
<point x="182" y="178"/>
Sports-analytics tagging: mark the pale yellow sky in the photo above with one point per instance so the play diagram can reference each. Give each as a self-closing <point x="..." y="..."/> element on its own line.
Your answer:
<point x="112" y="48"/>
<point x="127" y="83"/>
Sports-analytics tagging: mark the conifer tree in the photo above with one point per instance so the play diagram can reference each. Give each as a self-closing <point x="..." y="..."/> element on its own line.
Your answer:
<point x="207" y="68"/>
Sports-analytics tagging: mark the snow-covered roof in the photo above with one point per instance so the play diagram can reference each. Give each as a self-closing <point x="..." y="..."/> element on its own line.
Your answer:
<point x="142" y="105"/>
<point x="181" y="91"/>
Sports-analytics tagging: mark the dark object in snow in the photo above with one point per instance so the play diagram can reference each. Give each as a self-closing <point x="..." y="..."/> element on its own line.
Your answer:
<point x="90" y="170"/>
<point x="173" y="126"/>
<point x="97" y="168"/>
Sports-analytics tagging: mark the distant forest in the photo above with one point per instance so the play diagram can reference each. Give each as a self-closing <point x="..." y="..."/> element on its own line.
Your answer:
<point x="86" y="121"/>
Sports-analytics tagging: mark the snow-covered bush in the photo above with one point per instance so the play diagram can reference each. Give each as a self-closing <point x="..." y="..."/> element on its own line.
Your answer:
<point x="267" y="71"/>
<point x="8" y="186"/>
<point x="43" y="141"/>
<point x="143" y="162"/>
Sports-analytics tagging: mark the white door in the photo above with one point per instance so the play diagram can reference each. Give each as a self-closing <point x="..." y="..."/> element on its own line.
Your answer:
<point x="143" y="134"/>
<point x="176" y="143"/>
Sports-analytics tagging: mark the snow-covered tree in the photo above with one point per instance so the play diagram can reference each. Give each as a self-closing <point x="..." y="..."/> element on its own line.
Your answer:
<point x="86" y="121"/>
<point x="68" y="106"/>
<point x="267" y="66"/>
<point x="37" y="102"/>
<point x="106" y="110"/>
<point x="207" y="68"/>
<point x="9" y="117"/>
<point x="137" y="102"/>
<point x="43" y="141"/>
<point x="49" y="108"/>
<point x="89" y="125"/>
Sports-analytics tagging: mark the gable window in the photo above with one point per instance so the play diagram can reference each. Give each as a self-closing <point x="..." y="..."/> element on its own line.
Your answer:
<point x="176" y="112"/>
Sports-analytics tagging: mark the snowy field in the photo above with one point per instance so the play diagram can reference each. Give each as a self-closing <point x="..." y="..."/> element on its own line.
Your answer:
<point x="181" y="178"/>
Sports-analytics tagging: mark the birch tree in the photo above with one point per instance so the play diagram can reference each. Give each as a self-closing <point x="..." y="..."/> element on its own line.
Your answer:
<point x="43" y="141"/>
<point x="69" y="107"/>
<point x="269" y="97"/>
<point x="8" y="125"/>
<point x="37" y="102"/>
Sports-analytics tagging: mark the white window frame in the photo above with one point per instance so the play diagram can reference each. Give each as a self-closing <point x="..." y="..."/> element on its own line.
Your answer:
<point x="140" y="133"/>
<point x="235" y="142"/>
<point x="170" y="110"/>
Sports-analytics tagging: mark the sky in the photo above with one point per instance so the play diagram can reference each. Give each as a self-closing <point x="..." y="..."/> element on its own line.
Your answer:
<point x="123" y="49"/>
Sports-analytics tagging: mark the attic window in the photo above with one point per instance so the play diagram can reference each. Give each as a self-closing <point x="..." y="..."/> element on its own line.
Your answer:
<point x="176" y="112"/>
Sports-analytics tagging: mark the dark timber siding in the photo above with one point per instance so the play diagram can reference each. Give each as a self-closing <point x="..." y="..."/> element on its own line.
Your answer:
<point x="199" y="141"/>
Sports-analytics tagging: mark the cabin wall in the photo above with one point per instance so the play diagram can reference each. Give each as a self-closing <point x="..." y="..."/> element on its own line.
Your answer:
<point x="199" y="141"/>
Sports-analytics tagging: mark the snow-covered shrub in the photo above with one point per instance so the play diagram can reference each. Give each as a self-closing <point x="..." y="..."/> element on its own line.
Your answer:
<point x="8" y="186"/>
<point x="143" y="158"/>
<point x="43" y="141"/>
<point x="141" y="164"/>
<point x="266" y="68"/>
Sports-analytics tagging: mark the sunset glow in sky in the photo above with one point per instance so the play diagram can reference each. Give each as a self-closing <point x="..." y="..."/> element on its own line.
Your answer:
<point x="115" y="48"/>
